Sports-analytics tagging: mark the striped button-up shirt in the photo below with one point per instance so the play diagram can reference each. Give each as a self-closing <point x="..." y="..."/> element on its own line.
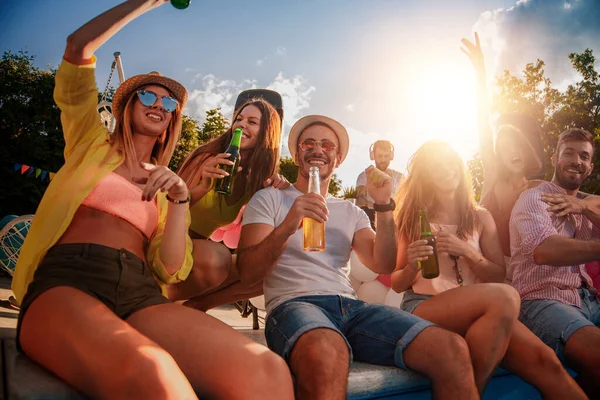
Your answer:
<point x="530" y="225"/>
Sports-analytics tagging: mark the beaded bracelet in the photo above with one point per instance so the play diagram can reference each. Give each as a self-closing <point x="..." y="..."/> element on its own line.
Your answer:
<point x="175" y="201"/>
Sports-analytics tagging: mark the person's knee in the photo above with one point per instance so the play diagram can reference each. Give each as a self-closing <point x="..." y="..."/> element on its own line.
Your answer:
<point x="145" y="372"/>
<point x="321" y="349"/>
<point x="438" y="353"/>
<point x="503" y="301"/>
<point x="215" y="266"/>
<point x="451" y="348"/>
<point x="269" y="373"/>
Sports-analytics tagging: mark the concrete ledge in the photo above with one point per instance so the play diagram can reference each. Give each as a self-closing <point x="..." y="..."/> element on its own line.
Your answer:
<point x="25" y="380"/>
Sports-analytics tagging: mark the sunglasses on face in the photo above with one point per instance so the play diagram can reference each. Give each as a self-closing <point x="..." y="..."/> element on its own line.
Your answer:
<point x="310" y="144"/>
<point x="148" y="98"/>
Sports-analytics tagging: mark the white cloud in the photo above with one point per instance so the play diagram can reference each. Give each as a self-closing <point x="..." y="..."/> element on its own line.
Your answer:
<point x="281" y="51"/>
<point x="260" y="62"/>
<point x="296" y="93"/>
<point x="544" y="29"/>
<point x="215" y="92"/>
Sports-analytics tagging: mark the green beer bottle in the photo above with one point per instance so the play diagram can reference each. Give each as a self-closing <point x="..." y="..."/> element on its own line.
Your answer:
<point x="180" y="4"/>
<point x="430" y="267"/>
<point x="225" y="185"/>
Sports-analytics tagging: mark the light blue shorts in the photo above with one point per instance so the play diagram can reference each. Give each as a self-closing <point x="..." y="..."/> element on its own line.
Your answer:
<point x="374" y="333"/>
<point x="554" y="322"/>
<point x="411" y="300"/>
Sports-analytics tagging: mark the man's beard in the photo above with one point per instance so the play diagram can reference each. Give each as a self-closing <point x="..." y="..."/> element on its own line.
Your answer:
<point x="567" y="183"/>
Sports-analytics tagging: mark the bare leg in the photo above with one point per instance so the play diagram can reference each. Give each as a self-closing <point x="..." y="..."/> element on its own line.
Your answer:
<point x="484" y="314"/>
<point x="212" y="263"/>
<point x="227" y="295"/>
<point x="230" y="291"/>
<point x="582" y="352"/>
<point x="444" y="357"/>
<point x="320" y="361"/>
<point x="82" y="341"/>
<point x="529" y="358"/>
<point x="220" y="362"/>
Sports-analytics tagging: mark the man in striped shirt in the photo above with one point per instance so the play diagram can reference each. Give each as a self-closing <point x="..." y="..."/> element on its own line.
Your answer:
<point x="554" y="231"/>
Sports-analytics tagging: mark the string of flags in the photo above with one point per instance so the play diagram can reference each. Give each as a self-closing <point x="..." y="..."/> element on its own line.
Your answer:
<point x="28" y="170"/>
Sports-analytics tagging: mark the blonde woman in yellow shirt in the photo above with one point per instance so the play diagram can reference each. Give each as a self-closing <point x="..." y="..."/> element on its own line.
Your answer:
<point x="113" y="218"/>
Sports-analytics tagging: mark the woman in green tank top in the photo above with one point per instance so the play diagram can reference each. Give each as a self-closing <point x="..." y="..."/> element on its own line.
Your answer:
<point x="214" y="279"/>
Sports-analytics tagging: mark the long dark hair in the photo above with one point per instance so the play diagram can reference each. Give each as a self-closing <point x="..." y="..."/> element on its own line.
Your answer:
<point x="263" y="162"/>
<point x="528" y="133"/>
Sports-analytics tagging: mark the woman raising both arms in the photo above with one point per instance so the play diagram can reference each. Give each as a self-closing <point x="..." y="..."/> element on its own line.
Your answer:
<point x="114" y="216"/>
<point x="468" y="252"/>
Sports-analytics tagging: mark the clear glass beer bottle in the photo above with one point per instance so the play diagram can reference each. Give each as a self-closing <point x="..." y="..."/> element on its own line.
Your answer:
<point x="313" y="232"/>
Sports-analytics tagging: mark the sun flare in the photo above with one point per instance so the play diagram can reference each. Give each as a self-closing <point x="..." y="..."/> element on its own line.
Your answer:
<point x="440" y="102"/>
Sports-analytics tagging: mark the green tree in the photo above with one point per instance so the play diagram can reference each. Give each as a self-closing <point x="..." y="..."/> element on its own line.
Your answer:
<point x="335" y="186"/>
<point x="289" y="169"/>
<point x="188" y="141"/>
<point x="214" y="125"/>
<point x="556" y="111"/>
<point x="30" y="131"/>
<point x="475" y="166"/>
<point x="193" y="136"/>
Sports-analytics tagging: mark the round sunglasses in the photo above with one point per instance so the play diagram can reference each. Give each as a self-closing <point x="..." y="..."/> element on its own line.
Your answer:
<point x="310" y="144"/>
<point x="148" y="98"/>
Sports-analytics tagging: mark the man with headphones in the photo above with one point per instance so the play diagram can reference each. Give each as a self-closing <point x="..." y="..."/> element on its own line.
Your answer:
<point x="382" y="152"/>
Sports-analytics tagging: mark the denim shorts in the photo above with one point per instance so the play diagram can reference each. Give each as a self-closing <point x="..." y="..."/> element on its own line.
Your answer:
<point x="118" y="278"/>
<point x="374" y="333"/>
<point x="411" y="300"/>
<point x="554" y="322"/>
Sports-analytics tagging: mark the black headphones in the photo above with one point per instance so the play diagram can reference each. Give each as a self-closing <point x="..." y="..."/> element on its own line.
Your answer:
<point x="377" y="143"/>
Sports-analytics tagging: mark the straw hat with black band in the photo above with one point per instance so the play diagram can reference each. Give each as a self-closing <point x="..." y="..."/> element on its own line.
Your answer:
<point x="309" y="120"/>
<point x="127" y="88"/>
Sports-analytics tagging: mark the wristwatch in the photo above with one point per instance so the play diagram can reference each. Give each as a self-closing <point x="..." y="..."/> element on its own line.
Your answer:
<point x="391" y="206"/>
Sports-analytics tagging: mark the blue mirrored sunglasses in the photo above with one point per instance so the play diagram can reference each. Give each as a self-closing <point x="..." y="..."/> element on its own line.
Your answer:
<point x="148" y="98"/>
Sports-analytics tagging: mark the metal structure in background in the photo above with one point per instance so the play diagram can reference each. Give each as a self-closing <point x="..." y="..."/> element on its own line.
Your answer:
<point x="104" y="107"/>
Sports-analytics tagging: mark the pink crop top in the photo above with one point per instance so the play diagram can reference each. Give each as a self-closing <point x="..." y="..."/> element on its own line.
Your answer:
<point x="117" y="196"/>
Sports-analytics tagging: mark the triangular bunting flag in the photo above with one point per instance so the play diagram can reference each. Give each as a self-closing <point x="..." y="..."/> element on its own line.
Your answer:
<point x="17" y="166"/>
<point x="30" y="170"/>
<point x="37" y="172"/>
<point x="24" y="168"/>
<point x="43" y="176"/>
<point x="52" y="175"/>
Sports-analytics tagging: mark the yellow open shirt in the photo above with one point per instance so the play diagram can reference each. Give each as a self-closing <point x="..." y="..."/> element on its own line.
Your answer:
<point x="86" y="147"/>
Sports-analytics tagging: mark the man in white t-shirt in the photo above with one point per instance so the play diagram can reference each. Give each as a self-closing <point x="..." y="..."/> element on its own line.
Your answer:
<point x="382" y="152"/>
<point x="314" y="320"/>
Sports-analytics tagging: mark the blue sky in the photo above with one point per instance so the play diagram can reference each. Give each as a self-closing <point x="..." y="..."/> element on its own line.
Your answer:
<point x="386" y="69"/>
